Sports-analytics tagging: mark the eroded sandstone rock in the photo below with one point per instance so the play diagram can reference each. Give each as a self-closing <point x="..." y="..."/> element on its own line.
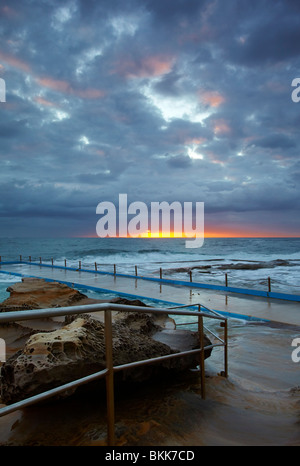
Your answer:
<point x="35" y="293"/>
<point x="50" y="359"/>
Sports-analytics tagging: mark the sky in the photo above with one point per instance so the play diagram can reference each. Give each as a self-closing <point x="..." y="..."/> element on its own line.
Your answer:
<point x="162" y="100"/>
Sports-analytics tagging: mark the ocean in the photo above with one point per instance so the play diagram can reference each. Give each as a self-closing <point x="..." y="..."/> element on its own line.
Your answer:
<point x="248" y="262"/>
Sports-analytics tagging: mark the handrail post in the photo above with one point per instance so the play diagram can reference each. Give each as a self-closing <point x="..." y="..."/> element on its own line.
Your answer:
<point x="202" y="359"/>
<point x="109" y="380"/>
<point x="224" y="325"/>
<point x="226" y="348"/>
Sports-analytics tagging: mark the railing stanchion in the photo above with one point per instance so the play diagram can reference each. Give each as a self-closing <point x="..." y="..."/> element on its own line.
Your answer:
<point x="202" y="359"/>
<point x="226" y="348"/>
<point x="109" y="380"/>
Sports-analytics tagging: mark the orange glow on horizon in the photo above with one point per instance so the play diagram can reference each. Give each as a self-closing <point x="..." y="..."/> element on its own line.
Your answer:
<point x="155" y="234"/>
<point x="239" y="233"/>
<point x="210" y="233"/>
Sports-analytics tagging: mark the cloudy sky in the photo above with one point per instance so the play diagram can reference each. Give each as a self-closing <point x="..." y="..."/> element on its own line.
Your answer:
<point x="165" y="100"/>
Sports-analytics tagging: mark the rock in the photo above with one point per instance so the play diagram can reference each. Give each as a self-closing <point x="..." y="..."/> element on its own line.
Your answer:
<point x="131" y="302"/>
<point x="50" y="359"/>
<point x="35" y="293"/>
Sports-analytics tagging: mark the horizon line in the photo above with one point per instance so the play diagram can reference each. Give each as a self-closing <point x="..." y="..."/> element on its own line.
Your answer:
<point x="187" y="237"/>
<point x="149" y="237"/>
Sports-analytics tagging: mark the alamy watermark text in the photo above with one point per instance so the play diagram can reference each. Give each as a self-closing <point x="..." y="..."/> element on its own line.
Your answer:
<point x="2" y="90"/>
<point x="296" y="92"/>
<point x="296" y="351"/>
<point x="162" y="220"/>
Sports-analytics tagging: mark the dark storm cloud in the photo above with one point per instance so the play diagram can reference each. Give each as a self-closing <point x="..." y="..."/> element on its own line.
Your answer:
<point x="179" y="10"/>
<point x="11" y="131"/>
<point x="169" y="84"/>
<point x="179" y="161"/>
<point x="274" y="141"/>
<point x="267" y="44"/>
<point x="163" y="100"/>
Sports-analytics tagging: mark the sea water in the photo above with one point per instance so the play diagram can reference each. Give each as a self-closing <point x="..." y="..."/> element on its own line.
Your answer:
<point x="248" y="262"/>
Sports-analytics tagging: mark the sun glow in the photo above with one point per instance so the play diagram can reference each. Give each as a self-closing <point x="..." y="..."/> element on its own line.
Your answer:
<point x="193" y="154"/>
<point x="175" y="107"/>
<point x="164" y="234"/>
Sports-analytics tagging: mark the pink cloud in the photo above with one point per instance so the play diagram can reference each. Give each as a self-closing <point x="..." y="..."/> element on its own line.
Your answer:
<point x="54" y="84"/>
<point x="100" y="152"/>
<point x="66" y="88"/>
<point x="42" y="101"/>
<point x="50" y="83"/>
<point x="211" y="98"/>
<point x="221" y="127"/>
<point x="89" y="93"/>
<point x="197" y="141"/>
<point x="15" y="62"/>
<point x="94" y="150"/>
<point x="8" y="11"/>
<point x="214" y="158"/>
<point x="147" y="67"/>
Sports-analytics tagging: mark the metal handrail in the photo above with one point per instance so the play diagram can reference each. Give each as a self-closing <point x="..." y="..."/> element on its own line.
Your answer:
<point x="108" y="373"/>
